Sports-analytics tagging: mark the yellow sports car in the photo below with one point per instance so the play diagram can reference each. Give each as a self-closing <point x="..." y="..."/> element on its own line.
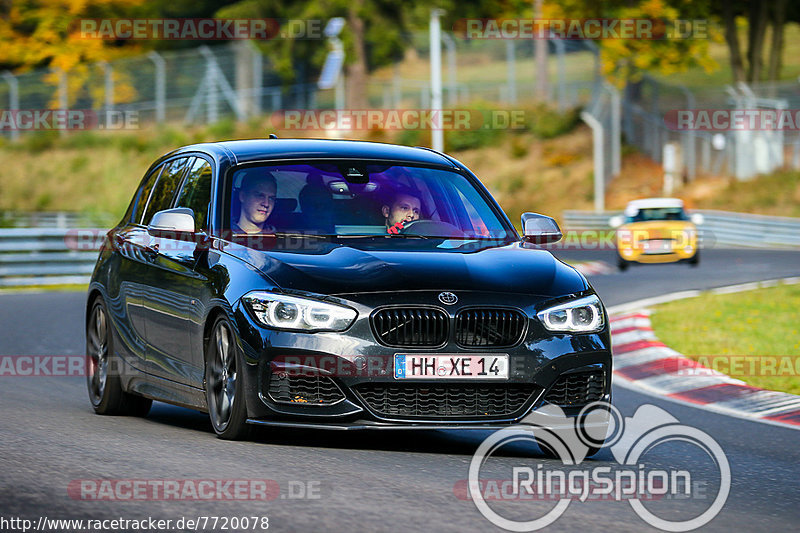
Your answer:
<point x="656" y="230"/>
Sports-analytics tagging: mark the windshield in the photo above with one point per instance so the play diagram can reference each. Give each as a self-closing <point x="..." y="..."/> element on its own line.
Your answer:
<point x="357" y="200"/>
<point x="658" y="213"/>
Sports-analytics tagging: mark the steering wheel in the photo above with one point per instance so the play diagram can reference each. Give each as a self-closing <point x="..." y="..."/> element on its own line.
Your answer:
<point x="437" y="228"/>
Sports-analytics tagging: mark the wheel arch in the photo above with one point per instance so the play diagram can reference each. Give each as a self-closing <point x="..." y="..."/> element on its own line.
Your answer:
<point x="94" y="294"/>
<point x="214" y="313"/>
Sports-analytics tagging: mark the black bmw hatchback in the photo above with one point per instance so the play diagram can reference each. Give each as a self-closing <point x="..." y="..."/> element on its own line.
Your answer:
<point x="338" y="285"/>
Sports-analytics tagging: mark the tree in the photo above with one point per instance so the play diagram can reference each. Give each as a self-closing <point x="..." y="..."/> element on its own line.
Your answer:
<point x="47" y="34"/>
<point x="376" y="34"/>
<point x="373" y="36"/>
<point x="776" y="48"/>
<point x="757" y="15"/>
<point x="625" y="60"/>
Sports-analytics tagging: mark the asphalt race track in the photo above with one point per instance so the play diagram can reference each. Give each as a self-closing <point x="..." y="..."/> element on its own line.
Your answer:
<point x="361" y="481"/>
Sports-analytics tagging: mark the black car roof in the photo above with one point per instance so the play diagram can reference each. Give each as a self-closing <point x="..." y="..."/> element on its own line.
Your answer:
<point x="250" y="150"/>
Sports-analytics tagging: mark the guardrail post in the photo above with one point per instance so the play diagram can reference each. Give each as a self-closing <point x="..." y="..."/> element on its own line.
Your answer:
<point x="616" y="134"/>
<point x="511" y="66"/>
<point x="247" y="60"/>
<point x="161" y="87"/>
<point x="561" y="74"/>
<point x="13" y="98"/>
<point x="397" y="92"/>
<point x="258" y="78"/>
<point x="599" y="163"/>
<point x="689" y="141"/>
<point x="108" y="91"/>
<point x="63" y="94"/>
<point x="450" y="44"/>
<point x="437" y="134"/>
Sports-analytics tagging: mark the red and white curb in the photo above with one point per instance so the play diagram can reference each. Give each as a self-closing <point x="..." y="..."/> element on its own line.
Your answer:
<point x="594" y="268"/>
<point x="642" y="360"/>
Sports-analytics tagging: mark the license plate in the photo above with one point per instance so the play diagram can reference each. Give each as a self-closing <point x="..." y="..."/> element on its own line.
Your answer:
<point x="430" y="366"/>
<point x="657" y="246"/>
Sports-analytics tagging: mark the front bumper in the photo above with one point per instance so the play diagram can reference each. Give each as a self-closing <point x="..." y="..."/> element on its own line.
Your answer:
<point x="538" y="364"/>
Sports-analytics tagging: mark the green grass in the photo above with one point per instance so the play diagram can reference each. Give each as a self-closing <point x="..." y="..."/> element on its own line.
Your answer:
<point x="773" y="194"/>
<point x="750" y="330"/>
<point x="46" y="288"/>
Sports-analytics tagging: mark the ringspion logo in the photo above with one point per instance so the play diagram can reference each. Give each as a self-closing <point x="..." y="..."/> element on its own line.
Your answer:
<point x="570" y="479"/>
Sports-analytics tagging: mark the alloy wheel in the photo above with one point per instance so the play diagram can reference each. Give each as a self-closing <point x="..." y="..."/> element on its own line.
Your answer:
<point x="222" y="377"/>
<point x="97" y="354"/>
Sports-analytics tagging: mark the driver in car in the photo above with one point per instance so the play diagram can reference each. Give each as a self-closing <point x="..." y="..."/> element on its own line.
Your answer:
<point x="404" y="208"/>
<point x="257" y="197"/>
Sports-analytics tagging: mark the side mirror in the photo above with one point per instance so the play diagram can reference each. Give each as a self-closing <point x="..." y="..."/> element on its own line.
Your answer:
<point x="178" y="220"/>
<point x="540" y="229"/>
<point x="616" y="221"/>
<point x="697" y="218"/>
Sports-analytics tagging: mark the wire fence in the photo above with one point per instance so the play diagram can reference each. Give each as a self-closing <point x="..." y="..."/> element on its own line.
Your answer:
<point x="650" y="107"/>
<point x="206" y="84"/>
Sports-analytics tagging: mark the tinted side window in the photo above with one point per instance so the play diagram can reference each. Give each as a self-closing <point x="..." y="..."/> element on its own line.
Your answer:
<point x="140" y="201"/>
<point x="196" y="192"/>
<point x="163" y="192"/>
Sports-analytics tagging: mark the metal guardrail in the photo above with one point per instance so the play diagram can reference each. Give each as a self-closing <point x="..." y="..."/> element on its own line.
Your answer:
<point x="54" y="219"/>
<point x="57" y="256"/>
<point x="47" y="256"/>
<point x="720" y="228"/>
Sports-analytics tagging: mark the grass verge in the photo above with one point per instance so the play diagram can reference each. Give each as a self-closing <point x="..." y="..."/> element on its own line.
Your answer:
<point x="45" y="288"/>
<point x="753" y="336"/>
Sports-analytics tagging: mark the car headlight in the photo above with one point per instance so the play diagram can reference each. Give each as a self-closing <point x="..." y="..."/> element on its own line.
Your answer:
<point x="279" y="311"/>
<point x="583" y="315"/>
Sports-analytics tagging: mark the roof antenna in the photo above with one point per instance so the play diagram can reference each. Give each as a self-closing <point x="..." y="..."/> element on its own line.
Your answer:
<point x="273" y="136"/>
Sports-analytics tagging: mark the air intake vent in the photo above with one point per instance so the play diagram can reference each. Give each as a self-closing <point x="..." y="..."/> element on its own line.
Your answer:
<point x="420" y="326"/>
<point x="303" y="389"/>
<point x="577" y="389"/>
<point x="446" y="400"/>
<point x="489" y="327"/>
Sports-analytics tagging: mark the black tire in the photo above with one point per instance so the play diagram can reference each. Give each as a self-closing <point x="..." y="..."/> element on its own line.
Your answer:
<point x="103" y="369"/>
<point x="622" y="264"/>
<point x="224" y="389"/>
<point x="695" y="261"/>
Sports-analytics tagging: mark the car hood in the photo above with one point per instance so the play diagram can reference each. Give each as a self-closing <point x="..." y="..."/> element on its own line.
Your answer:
<point x="336" y="269"/>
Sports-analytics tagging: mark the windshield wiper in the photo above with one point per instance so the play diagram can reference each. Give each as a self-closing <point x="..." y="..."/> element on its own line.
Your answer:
<point x="386" y="235"/>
